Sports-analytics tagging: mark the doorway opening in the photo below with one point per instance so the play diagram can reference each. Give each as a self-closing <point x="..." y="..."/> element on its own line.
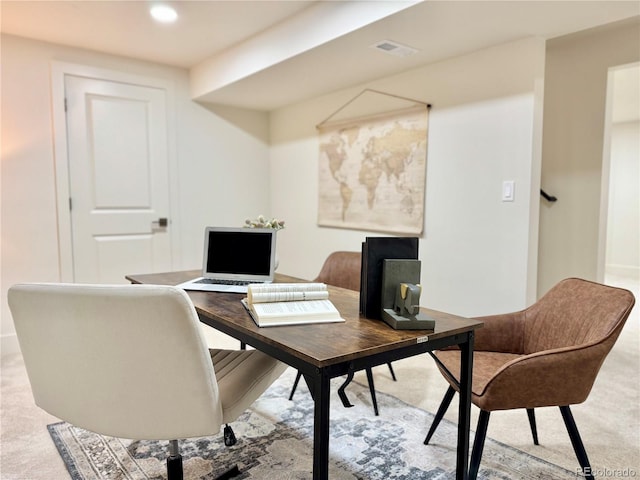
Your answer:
<point x="619" y="245"/>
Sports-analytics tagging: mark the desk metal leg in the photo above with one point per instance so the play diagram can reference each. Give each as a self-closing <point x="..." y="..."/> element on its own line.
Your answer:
<point x="464" y="410"/>
<point x="321" y="427"/>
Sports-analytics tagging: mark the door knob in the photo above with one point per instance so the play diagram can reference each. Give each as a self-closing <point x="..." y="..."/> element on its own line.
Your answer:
<point x="162" y="222"/>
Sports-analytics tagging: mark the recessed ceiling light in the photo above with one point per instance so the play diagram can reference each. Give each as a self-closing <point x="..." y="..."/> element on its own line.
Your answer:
<point x="164" y="13"/>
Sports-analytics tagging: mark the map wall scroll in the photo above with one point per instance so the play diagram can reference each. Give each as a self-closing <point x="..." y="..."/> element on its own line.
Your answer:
<point x="372" y="171"/>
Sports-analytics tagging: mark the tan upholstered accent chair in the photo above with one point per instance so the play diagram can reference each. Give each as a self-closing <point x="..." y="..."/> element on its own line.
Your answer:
<point x="546" y="355"/>
<point x="342" y="269"/>
<point x="129" y="361"/>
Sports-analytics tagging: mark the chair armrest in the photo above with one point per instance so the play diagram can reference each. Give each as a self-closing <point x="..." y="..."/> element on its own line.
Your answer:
<point x="562" y="376"/>
<point x="501" y="333"/>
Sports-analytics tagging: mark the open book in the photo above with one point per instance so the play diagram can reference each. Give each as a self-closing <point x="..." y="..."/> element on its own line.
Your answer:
<point x="275" y="304"/>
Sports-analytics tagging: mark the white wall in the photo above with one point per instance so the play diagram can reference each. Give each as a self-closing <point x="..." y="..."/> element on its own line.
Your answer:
<point x="483" y="130"/>
<point x="222" y="155"/>
<point x="475" y="249"/>
<point x="623" y="228"/>
<point x="574" y="123"/>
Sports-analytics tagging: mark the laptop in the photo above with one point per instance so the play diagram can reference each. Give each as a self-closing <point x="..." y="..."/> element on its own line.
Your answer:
<point x="234" y="258"/>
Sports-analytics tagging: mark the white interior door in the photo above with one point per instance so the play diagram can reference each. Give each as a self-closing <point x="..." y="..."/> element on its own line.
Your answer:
<point x="118" y="179"/>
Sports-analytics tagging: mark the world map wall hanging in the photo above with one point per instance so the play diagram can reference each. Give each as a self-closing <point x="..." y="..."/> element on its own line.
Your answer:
<point x="372" y="168"/>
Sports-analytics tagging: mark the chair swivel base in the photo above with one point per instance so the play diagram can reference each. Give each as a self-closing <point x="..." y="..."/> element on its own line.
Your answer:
<point x="174" y="460"/>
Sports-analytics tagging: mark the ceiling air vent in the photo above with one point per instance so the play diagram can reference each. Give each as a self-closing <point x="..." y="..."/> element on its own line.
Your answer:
<point x="394" y="48"/>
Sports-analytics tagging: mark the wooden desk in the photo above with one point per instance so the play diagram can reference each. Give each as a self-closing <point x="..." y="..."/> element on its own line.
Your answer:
<point x="324" y="351"/>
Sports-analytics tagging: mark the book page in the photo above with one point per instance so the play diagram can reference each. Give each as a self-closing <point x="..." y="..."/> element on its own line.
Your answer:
<point x="286" y="292"/>
<point x="288" y="296"/>
<point x="305" y="308"/>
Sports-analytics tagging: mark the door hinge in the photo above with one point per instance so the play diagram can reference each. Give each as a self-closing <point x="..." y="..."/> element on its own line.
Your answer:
<point x="70" y="204"/>
<point x="65" y="104"/>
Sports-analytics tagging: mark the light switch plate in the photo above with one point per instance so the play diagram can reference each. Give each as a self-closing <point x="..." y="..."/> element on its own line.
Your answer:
<point x="508" y="190"/>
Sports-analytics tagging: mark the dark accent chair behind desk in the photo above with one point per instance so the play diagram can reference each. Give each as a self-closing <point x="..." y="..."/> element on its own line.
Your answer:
<point x="342" y="269"/>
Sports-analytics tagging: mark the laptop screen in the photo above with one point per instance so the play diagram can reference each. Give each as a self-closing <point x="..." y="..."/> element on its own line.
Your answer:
<point x="239" y="253"/>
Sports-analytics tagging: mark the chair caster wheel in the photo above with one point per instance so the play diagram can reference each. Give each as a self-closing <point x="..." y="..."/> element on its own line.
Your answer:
<point x="229" y="436"/>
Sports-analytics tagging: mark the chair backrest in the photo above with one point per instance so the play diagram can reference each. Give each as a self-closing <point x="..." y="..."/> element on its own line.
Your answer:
<point x="576" y="312"/>
<point x="341" y="269"/>
<point x="127" y="361"/>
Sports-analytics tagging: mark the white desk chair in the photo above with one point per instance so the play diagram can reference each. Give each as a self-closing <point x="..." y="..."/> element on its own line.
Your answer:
<point x="129" y="361"/>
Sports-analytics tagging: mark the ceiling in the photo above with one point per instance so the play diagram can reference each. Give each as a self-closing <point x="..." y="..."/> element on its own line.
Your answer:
<point x="125" y="28"/>
<point x="212" y="37"/>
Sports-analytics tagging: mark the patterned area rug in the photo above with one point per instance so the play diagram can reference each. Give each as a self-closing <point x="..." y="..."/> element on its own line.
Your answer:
<point x="275" y="442"/>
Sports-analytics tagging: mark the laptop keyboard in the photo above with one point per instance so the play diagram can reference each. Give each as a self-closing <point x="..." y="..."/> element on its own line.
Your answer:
<point x="213" y="281"/>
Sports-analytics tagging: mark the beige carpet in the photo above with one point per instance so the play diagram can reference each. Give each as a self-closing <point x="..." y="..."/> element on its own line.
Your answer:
<point x="608" y="421"/>
<point x="275" y="443"/>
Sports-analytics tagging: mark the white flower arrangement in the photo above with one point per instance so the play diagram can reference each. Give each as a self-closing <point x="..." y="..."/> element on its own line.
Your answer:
<point x="262" y="222"/>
